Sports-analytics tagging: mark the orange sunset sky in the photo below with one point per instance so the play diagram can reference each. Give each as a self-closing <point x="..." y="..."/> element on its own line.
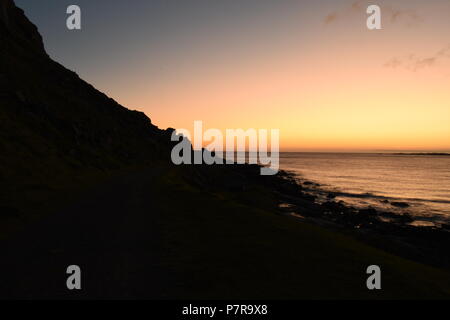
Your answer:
<point x="309" y="68"/>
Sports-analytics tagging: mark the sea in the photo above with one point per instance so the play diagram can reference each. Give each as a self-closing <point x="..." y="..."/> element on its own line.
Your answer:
<point x="380" y="180"/>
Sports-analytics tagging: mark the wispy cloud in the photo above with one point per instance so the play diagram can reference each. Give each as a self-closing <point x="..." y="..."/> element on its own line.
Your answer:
<point x="408" y="17"/>
<point x="394" y="63"/>
<point x="391" y="14"/>
<point x="444" y="53"/>
<point x="415" y="63"/>
<point x="332" y="17"/>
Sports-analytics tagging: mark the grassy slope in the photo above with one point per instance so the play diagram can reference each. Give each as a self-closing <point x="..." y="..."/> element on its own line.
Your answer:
<point x="215" y="245"/>
<point x="221" y="248"/>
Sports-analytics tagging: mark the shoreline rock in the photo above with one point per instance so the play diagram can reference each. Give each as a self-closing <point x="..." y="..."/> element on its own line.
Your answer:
<point x="395" y="232"/>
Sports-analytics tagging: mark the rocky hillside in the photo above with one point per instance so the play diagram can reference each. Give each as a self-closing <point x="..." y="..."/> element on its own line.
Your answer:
<point x="54" y="124"/>
<point x="55" y="128"/>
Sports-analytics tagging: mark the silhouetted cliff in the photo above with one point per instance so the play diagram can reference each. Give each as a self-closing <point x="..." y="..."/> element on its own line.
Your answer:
<point x="52" y="122"/>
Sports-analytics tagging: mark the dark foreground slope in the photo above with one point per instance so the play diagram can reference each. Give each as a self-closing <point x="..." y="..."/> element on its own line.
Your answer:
<point x="85" y="181"/>
<point x="151" y="234"/>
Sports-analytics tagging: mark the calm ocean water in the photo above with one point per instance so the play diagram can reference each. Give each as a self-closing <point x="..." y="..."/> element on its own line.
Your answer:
<point x="363" y="180"/>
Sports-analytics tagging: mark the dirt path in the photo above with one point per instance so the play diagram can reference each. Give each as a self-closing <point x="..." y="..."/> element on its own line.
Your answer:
<point x="112" y="234"/>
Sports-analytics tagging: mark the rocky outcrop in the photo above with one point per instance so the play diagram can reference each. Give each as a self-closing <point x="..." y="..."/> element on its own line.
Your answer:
<point x="53" y="122"/>
<point x="15" y="26"/>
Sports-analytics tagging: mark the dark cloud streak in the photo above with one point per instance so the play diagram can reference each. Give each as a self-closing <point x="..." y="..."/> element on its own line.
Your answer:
<point x="413" y="63"/>
<point x="389" y="13"/>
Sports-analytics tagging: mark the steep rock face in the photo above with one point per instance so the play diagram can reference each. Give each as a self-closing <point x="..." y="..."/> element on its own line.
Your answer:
<point x="15" y="25"/>
<point x="52" y="122"/>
